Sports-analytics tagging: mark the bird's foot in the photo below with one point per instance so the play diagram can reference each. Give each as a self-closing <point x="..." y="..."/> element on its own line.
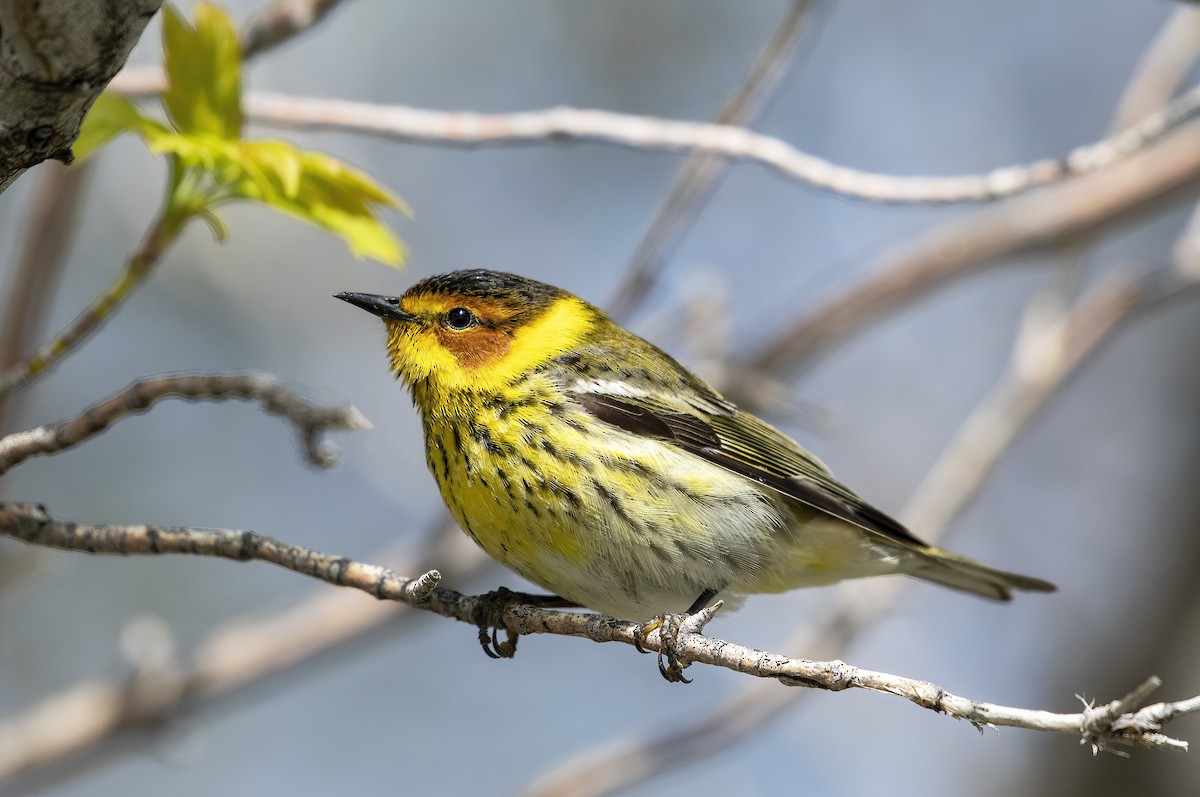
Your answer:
<point x="489" y="616"/>
<point x="673" y="630"/>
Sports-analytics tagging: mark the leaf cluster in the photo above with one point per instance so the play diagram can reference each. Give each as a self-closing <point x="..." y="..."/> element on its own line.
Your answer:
<point x="211" y="163"/>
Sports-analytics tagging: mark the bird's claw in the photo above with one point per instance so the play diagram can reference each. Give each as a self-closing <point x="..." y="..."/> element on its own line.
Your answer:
<point x="671" y="629"/>
<point x="644" y="631"/>
<point x="670" y="655"/>
<point x="490" y="618"/>
<point x="493" y="647"/>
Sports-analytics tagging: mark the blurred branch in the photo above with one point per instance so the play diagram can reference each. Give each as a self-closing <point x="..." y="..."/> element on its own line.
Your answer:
<point x="468" y="129"/>
<point x="54" y="214"/>
<point x="698" y="178"/>
<point x="56" y="56"/>
<point x="1162" y="68"/>
<point x="966" y="245"/>
<point x="280" y="21"/>
<point x="1113" y="724"/>
<point x="311" y="420"/>
<point x="1044" y="360"/>
<point x="140" y="264"/>
<point x="49" y="740"/>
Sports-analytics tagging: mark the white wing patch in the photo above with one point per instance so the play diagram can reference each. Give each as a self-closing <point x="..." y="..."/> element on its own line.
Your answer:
<point x="608" y="387"/>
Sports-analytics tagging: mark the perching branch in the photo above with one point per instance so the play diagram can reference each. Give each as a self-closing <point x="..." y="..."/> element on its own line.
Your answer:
<point x="468" y="129"/>
<point x="48" y="741"/>
<point x="1114" y="724"/>
<point x="311" y="420"/>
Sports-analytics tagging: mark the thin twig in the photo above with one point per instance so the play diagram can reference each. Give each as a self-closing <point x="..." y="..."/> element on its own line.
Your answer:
<point x="311" y="420"/>
<point x="698" y="177"/>
<point x="137" y="268"/>
<point x="281" y="20"/>
<point x="468" y="129"/>
<point x="32" y="524"/>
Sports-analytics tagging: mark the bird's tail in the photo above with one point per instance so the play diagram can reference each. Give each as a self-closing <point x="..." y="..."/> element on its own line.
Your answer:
<point x="958" y="572"/>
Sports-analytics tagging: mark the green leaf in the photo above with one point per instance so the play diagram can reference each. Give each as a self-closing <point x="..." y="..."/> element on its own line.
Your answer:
<point x="109" y="117"/>
<point x="204" y="67"/>
<point x="213" y="164"/>
<point x="281" y="161"/>
<point x="223" y="162"/>
<point x="314" y="188"/>
<point x="329" y="194"/>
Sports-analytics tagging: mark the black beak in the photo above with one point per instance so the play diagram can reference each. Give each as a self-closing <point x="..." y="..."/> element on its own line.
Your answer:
<point x="387" y="307"/>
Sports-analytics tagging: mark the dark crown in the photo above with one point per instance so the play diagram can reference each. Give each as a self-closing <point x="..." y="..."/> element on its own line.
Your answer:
<point x="488" y="285"/>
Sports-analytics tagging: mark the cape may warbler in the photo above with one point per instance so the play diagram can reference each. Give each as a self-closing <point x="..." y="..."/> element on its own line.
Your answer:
<point x="595" y="465"/>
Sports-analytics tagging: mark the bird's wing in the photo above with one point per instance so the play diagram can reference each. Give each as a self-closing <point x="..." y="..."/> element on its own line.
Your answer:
<point x="718" y="432"/>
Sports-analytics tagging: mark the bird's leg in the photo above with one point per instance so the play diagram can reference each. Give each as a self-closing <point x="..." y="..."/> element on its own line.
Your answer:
<point x="489" y="617"/>
<point x="669" y="627"/>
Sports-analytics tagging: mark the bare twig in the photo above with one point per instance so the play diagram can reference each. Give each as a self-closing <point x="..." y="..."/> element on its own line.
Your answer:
<point x="311" y="420"/>
<point x="280" y="21"/>
<point x="32" y="524"/>
<point x="966" y="245"/>
<point x="700" y="173"/>
<point x="467" y="129"/>
<point x="53" y="216"/>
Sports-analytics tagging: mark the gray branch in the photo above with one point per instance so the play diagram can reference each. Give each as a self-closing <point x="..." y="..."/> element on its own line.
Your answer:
<point x="1118" y="723"/>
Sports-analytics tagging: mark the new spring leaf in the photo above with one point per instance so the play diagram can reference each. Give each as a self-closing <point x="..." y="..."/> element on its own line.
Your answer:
<point x="213" y="164"/>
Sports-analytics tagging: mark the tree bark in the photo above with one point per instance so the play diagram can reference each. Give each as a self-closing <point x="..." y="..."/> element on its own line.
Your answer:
<point x="56" y="56"/>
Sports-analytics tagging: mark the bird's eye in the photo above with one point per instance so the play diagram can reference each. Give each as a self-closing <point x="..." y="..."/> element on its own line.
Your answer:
<point x="460" y="318"/>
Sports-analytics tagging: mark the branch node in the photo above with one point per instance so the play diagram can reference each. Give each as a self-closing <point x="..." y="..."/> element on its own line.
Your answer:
<point x="694" y="623"/>
<point x="1115" y="722"/>
<point x="421" y="588"/>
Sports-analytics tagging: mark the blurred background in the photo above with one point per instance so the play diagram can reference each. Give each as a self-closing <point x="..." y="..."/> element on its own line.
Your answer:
<point x="1098" y="494"/>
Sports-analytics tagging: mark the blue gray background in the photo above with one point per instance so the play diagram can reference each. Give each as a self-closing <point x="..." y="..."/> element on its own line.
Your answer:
<point x="1098" y="496"/>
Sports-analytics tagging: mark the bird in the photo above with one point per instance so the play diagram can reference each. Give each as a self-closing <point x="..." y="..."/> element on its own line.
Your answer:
<point x="595" y="465"/>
